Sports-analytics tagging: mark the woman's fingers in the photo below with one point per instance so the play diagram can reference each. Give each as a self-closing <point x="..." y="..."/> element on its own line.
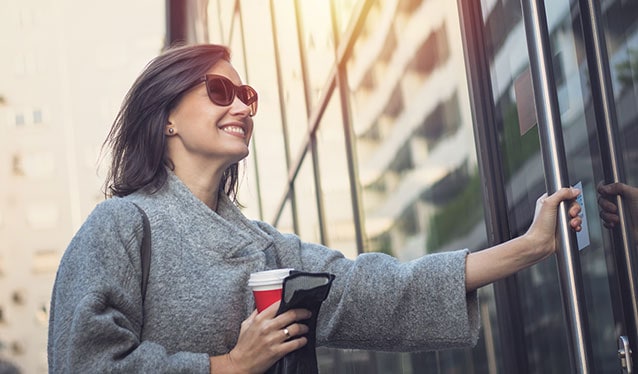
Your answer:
<point x="576" y="220"/>
<point x="574" y="209"/>
<point x="550" y="203"/>
<point x="284" y="326"/>
<point x="265" y="337"/>
<point x="547" y="207"/>
<point x="271" y="311"/>
<point x="293" y="345"/>
<point x="292" y="316"/>
<point x="565" y="193"/>
<point x="295" y="329"/>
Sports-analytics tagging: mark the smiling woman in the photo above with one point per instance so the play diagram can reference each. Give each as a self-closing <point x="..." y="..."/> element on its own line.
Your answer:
<point x="139" y="134"/>
<point x="176" y="144"/>
<point x="209" y="130"/>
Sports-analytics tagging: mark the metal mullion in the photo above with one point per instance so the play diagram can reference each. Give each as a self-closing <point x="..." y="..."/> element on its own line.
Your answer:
<point x="315" y="115"/>
<point x="350" y="144"/>
<point x="313" y="123"/>
<point x="284" y="121"/>
<point x="555" y="166"/>
<point x="312" y="141"/>
<point x="232" y="23"/>
<point x="352" y="32"/>
<point x="260" y="205"/>
<point x="219" y="22"/>
<point x="507" y="301"/>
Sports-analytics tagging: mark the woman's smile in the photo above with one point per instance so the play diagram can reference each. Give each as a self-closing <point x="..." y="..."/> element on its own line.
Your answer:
<point x="235" y="130"/>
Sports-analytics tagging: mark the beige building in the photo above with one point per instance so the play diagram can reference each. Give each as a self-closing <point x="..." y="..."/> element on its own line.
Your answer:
<point x="65" y="68"/>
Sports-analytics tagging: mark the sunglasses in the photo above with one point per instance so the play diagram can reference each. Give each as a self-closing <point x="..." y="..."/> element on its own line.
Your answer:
<point x="222" y="92"/>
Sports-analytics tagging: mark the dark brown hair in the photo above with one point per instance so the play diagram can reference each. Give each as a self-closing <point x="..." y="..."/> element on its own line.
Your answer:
<point x="137" y="139"/>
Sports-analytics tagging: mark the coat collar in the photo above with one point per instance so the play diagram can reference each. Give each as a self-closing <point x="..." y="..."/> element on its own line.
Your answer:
<point x="226" y="231"/>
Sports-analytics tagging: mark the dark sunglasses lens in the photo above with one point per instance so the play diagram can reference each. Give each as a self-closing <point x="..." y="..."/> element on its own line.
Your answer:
<point x="249" y="97"/>
<point x="221" y="91"/>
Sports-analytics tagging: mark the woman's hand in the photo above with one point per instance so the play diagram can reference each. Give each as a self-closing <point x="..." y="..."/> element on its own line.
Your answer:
<point x="263" y="339"/>
<point x="491" y="264"/>
<point x="542" y="231"/>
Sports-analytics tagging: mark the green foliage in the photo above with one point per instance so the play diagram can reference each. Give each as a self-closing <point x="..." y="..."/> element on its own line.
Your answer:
<point x="457" y="217"/>
<point x="516" y="148"/>
<point x="626" y="74"/>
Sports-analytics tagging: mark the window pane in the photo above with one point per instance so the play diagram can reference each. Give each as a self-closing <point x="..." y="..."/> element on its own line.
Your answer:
<point x="319" y="44"/>
<point x="292" y="79"/>
<point x="306" y="192"/>
<point x="335" y="182"/>
<point x="269" y="151"/>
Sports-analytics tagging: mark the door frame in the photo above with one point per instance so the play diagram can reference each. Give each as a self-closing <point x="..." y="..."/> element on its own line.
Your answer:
<point x="514" y="358"/>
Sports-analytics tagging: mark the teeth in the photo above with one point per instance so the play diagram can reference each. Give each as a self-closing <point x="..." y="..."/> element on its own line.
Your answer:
<point x="234" y="129"/>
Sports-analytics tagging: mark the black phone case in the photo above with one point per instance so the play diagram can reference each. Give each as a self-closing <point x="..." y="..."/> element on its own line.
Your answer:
<point x="307" y="291"/>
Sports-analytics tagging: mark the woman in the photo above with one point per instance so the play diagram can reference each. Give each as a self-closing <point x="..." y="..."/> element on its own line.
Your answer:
<point x="184" y="126"/>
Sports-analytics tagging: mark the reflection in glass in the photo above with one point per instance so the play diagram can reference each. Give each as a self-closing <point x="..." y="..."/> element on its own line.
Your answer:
<point x="292" y="77"/>
<point x="414" y="146"/>
<point x="309" y="228"/>
<point x="285" y="223"/>
<point x="317" y="39"/>
<point x="335" y="183"/>
<point x="620" y="23"/>
<point x="267" y="163"/>
<point x="540" y="301"/>
<point x="545" y="335"/>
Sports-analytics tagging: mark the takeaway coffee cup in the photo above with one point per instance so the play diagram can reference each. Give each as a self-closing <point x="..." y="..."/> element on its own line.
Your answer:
<point x="266" y="286"/>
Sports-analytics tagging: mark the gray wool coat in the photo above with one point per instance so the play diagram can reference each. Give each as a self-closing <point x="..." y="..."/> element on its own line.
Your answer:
<point x="197" y="295"/>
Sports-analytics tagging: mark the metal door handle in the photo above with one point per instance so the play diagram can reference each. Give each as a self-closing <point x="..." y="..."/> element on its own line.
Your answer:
<point x="624" y="354"/>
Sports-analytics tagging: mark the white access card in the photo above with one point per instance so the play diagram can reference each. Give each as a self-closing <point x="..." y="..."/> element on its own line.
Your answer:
<point x="583" y="235"/>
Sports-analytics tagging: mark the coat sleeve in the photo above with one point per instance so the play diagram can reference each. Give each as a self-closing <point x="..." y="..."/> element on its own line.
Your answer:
<point x="96" y="306"/>
<point x="379" y="303"/>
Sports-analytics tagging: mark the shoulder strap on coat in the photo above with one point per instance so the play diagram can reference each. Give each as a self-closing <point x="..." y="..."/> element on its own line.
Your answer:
<point x="145" y="251"/>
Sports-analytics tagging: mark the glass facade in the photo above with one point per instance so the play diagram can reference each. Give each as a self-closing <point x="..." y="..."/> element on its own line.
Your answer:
<point x="411" y="127"/>
<point x="592" y="74"/>
<point x="363" y="141"/>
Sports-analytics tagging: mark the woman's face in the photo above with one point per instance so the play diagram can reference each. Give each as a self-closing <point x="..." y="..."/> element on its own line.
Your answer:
<point x="206" y="134"/>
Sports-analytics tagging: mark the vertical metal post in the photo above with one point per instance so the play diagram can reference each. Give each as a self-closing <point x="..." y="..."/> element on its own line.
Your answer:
<point x="176" y="23"/>
<point x="312" y="141"/>
<point x="625" y="258"/>
<point x="511" y="332"/>
<point x="348" y="132"/>
<point x="253" y="144"/>
<point x="284" y="115"/>
<point x="555" y="166"/>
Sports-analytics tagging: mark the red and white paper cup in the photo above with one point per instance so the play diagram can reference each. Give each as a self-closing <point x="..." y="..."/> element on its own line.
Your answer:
<point x="266" y="286"/>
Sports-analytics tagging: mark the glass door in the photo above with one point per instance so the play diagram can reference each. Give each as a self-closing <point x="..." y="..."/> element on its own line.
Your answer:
<point x="610" y="30"/>
<point x="556" y="111"/>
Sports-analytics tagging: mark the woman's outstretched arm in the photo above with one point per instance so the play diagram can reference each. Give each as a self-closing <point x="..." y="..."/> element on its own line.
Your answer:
<point x="539" y="242"/>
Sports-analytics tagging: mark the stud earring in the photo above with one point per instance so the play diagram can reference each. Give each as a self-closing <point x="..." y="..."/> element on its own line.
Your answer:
<point x="171" y="130"/>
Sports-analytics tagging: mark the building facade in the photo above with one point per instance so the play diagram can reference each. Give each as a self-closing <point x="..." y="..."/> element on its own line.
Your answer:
<point x="411" y="127"/>
<point x="364" y="140"/>
<point x="400" y="126"/>
<point x="66" y="67"/>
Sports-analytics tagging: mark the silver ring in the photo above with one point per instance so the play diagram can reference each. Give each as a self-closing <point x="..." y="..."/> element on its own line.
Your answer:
<point x="287" y="333"/>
